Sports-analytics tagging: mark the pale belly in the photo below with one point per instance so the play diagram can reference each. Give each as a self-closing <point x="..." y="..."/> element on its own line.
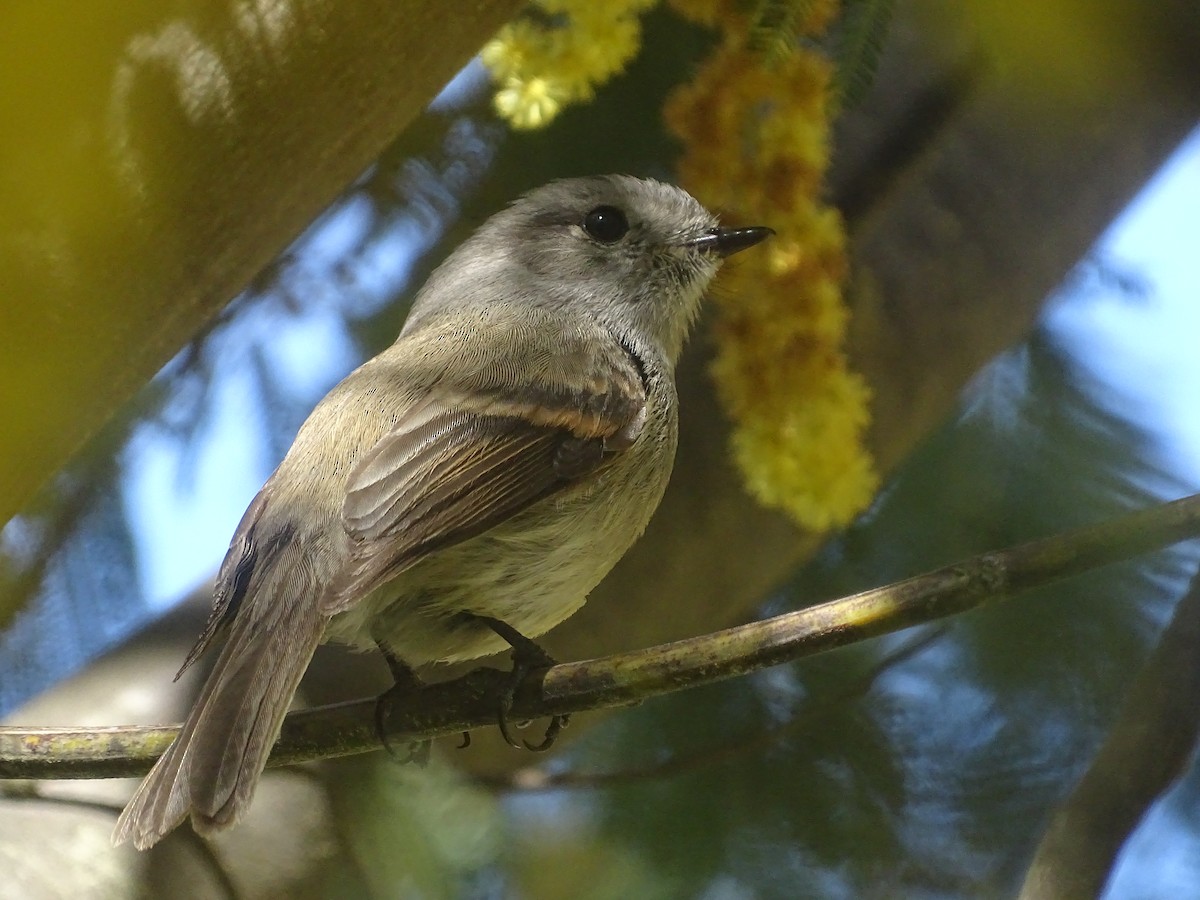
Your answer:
<point x="532" y="573"/>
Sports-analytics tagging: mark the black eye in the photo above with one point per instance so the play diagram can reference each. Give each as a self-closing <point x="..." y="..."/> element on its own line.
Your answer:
<point x="607" y="224"/>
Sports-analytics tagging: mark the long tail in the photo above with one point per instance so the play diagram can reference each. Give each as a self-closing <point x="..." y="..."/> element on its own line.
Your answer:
<point x="211" y="769"/>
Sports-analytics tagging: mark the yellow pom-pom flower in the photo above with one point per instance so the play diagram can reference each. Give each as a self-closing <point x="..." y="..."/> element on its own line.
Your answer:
<point x="542" y="66"/>
<point x="756" y="147"/>
<point x="756" y="142"/>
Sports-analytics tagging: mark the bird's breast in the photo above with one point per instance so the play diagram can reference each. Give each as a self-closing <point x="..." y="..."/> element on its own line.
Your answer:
<point x="531" y="572"/>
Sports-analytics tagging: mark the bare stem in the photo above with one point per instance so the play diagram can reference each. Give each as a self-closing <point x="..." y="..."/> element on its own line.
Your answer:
<point x="628" y="678"/>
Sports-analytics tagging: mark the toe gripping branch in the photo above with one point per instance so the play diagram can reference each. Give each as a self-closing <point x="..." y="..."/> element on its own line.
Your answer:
<point x="404" y="682"/>
<point x="527" y="657"/>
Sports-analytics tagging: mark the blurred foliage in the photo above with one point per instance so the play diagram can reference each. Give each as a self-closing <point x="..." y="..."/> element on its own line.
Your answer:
<point x="859" y="39"/>
<point x="154" y="157"/>
<point x="1057" y="51"/>
<point x="856" y="39"/>
<point x="409" y="831"/>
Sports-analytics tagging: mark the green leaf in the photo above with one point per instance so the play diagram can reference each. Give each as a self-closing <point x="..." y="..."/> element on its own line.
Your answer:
<point x="858" y="44"/>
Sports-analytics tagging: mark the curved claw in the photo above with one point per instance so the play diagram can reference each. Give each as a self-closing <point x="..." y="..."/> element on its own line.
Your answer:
<point x="557" y="724"/>
<point x="502" y="724"/>
<point x="526" y="657"/>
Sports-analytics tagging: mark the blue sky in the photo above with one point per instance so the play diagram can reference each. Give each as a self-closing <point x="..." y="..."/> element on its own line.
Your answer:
<point x="1146" y="348"/>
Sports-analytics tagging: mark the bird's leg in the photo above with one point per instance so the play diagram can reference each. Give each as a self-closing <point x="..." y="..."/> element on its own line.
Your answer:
<point x="405" y="682"/>
<point x="526" y="657"/>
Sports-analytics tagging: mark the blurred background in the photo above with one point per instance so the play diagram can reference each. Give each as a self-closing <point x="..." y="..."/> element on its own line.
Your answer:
<point x="1020" y="193"/>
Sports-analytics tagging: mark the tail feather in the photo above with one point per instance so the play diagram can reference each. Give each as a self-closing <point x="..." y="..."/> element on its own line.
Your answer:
<point x="211" y="769"/>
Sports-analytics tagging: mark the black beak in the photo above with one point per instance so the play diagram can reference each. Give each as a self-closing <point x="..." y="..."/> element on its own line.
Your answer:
<point x="728" y="241"/>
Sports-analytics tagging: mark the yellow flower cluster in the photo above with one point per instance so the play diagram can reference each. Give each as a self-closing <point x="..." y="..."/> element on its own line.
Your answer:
<point x="756" y="142"/>
<point x="545" y="63"/>
<point x="756" y="145"/>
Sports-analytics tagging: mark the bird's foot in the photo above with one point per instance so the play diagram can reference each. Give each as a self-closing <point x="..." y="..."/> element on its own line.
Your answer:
<point x="405" y="683"/>
<point x="527" y="657"/>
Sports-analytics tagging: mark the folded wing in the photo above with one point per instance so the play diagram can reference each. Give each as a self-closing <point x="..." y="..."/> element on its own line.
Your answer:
<point x="461" y="461"/>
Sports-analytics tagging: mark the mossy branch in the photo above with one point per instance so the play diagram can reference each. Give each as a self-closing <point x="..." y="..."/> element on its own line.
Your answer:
<point x="629" y="678"/>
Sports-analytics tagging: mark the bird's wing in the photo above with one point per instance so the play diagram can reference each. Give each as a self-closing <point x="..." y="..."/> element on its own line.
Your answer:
<point x="473" y="451"/>
<point x="244" y="554"/>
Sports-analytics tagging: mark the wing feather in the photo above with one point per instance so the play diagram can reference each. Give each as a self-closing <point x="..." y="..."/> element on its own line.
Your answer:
<point x="468" y="455"/>
<point x="479" y="471"/>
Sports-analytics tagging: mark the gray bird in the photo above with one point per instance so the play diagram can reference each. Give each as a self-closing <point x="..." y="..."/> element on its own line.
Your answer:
<point x="464" y="490"/>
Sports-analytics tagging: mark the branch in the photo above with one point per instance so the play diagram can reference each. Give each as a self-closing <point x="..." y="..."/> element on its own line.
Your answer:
<point x="1147" y="750"/>
<point x="204" y="178"/>
<point x="811" y="718"/>
<point x="629" y="678"/>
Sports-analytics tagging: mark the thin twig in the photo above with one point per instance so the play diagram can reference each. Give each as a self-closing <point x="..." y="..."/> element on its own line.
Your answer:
<point x="629" y="678"/>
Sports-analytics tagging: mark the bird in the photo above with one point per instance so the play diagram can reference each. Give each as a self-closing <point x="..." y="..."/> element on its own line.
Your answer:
<point x="464" y="490"/>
